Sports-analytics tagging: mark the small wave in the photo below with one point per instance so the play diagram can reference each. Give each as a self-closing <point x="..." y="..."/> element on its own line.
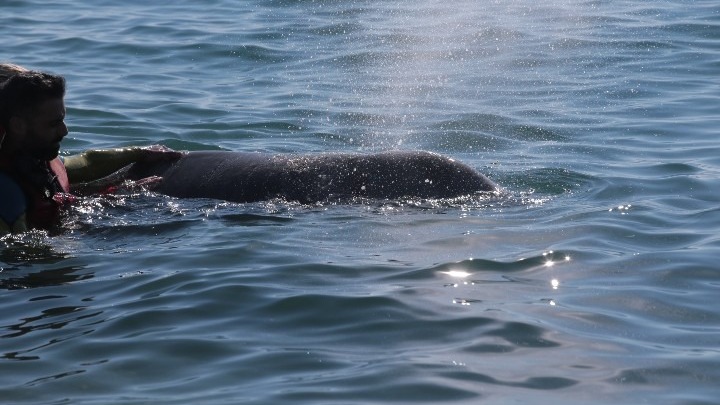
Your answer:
<point x="547" y="181"/>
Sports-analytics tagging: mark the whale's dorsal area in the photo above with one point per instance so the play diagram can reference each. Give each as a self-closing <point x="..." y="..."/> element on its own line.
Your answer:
<point x="248" y="177"/>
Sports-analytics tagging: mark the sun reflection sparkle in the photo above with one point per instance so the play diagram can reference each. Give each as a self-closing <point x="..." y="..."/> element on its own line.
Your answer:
<point x="457" y="273"/>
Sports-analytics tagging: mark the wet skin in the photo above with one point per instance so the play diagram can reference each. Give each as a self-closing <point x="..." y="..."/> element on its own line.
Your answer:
<point x="247" y="177"/>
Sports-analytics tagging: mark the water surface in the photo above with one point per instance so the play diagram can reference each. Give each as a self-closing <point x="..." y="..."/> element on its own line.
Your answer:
<point x="591" y="279"/>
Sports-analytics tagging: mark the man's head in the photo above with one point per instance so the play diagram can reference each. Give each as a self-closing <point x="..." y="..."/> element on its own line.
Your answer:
<point x="32" y="114"/>
<point x="8" y="70"/>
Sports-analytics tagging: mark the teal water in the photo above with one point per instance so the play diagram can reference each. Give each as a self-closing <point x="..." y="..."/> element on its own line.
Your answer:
<point x="592" y="279"/>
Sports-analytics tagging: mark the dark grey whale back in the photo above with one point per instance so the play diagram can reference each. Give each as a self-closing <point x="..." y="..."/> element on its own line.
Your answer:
<point x="247" y="177"/>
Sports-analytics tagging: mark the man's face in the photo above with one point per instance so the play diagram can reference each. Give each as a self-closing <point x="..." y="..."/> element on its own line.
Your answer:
<point x="44" y="130"/>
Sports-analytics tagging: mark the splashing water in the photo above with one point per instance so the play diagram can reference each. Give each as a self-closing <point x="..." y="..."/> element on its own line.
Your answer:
<point x="436" y="61"/>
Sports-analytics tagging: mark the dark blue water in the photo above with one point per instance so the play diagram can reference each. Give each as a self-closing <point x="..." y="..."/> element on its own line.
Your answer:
<point x="592" y="279"/>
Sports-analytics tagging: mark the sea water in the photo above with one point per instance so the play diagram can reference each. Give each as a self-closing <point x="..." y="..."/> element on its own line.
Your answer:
<point x="593" y="277"/>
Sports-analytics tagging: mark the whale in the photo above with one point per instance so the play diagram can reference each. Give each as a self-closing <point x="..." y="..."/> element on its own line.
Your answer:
<point x="310" y="178"/>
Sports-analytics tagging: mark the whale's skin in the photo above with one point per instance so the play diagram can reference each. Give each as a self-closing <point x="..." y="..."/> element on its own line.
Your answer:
<point x="309" y="178"/>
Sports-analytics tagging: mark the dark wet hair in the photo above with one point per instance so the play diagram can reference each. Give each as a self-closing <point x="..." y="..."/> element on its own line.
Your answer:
<point x="10" y="69"/>
<point x="23" y="92"/>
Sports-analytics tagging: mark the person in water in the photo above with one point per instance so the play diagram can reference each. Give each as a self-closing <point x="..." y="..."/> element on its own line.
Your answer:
<point x="34" y="180"/>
